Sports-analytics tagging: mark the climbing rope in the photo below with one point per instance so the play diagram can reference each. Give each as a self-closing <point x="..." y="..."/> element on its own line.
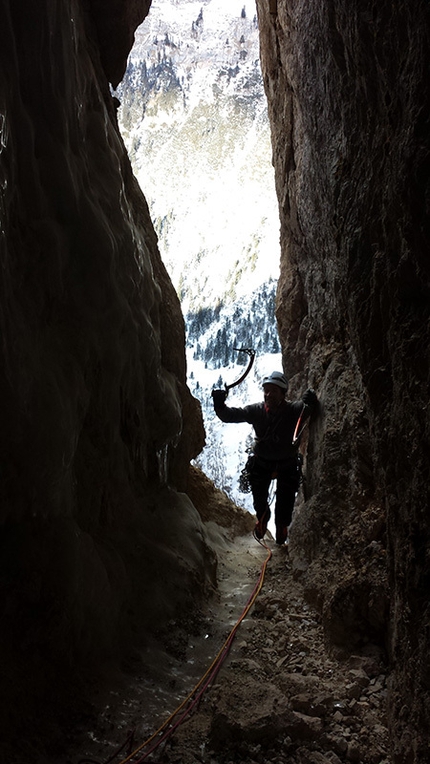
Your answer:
<point x="298" y="431"/>
<point x="196" y="694"/>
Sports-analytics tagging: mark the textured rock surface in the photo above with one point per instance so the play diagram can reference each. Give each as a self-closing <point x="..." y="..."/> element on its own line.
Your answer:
<point x="97" y="424"/>
<point x="348" y="101"/>
<point x="115" y="22"/>
<point x="281" y="697"/>
<point x="99" y="542"/>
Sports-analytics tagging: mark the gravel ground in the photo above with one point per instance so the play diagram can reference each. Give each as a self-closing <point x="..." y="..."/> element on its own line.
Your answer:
<point x="280" y="696"/>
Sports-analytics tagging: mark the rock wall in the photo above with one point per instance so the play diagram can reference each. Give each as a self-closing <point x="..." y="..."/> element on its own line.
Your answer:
<point x="347" y="88"/>
<point x="97" y="424"/>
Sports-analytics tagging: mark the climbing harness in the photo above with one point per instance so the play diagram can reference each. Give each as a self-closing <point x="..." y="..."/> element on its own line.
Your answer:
<point x="243" y="376"/>
<point x="245" y="474"/>
<point x="192" y="700"/>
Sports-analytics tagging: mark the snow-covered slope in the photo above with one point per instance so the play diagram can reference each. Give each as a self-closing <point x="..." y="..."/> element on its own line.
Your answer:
<point x="194" y="120"/>
<point x="193" y="116"/>
<point x="213" y="361"/>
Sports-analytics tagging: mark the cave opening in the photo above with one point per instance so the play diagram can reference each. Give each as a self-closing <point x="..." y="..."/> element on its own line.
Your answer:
<point x="193" y="115"/>
<point x="103" y="559"/>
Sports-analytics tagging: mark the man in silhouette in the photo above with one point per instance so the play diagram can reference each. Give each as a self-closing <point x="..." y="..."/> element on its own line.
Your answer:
<point x="275" y="449"/>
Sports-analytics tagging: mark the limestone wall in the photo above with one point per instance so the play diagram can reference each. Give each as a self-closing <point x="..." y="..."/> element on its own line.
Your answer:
<point x="97" y="424"/>
<point x="347" y="87"/>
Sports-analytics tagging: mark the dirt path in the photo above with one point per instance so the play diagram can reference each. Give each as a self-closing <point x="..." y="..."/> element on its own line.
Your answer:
<point x="280" y="697"/>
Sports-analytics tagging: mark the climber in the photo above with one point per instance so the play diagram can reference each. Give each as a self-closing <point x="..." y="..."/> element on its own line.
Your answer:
<point x="274" y="452"/>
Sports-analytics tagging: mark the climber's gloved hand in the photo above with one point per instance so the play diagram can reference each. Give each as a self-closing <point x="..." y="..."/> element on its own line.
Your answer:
<point x="309" y="398"/>
<point x="219" y="397"/>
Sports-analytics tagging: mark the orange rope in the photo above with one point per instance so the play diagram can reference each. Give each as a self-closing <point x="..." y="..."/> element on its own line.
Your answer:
<point x="209" y="675"/>
<point x="297" y="434"/>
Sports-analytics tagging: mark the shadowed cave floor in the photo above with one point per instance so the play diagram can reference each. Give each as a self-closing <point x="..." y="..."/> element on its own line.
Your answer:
<point x="280" y="696"/>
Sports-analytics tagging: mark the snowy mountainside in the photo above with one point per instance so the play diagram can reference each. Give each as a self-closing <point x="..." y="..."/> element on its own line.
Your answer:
<point x="194" y="119"/>
<point x="225" y="453"/>
<point x="193" y="116"/>
<point x="215" y="333"/>
<point x="213" y="339"/>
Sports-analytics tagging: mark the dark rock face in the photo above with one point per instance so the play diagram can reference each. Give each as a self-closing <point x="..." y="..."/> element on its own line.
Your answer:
<point x="115" y="22"/>
<point x="348" y="97"/>
<point x="97" y="425"/>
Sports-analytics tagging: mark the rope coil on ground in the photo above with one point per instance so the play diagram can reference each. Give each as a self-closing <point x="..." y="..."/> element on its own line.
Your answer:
<point x="197" y="692"/>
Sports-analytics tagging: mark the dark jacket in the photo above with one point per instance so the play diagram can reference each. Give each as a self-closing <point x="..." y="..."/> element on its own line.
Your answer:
<point x="274" y="431"/>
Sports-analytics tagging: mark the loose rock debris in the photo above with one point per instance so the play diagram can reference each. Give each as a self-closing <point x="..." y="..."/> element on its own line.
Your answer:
<point x="281" y="695"/>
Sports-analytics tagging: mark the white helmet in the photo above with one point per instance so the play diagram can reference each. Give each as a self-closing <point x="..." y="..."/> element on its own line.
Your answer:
<point x="276" y="378"/>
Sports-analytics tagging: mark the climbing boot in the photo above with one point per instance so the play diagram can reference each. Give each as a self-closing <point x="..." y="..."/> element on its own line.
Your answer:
<point x="281" y="535"/>
<point x="261" y="525"/>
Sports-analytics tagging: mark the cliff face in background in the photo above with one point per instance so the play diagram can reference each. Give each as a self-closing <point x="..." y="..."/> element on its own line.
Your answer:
<point x="349" y="107"/>
<point x="97" y="424"/>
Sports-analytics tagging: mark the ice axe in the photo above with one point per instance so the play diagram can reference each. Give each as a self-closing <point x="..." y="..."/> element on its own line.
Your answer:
<point x="251" y="354"/>
<point x="219" y="396"/>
